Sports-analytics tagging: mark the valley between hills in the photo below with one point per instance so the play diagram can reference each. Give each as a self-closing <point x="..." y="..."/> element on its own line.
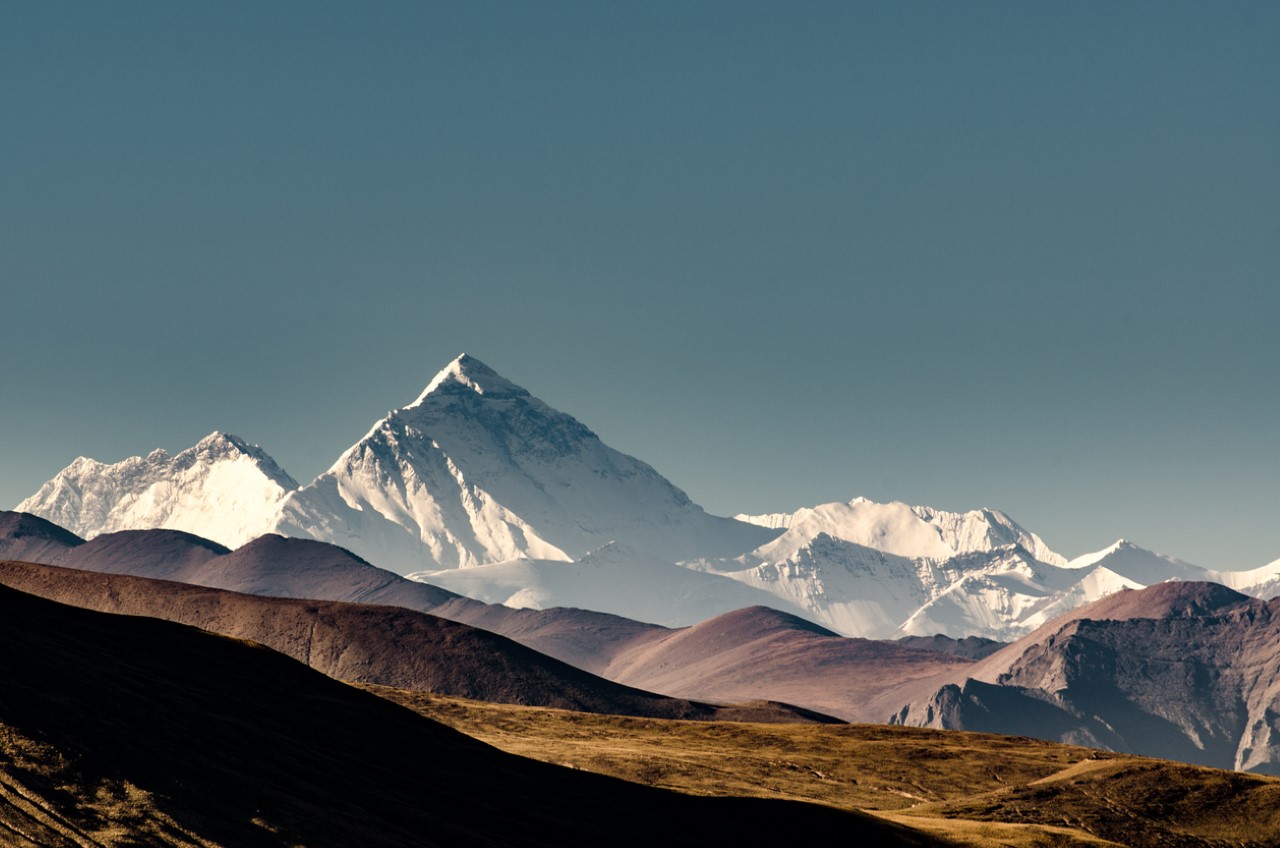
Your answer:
<point x="976" y="789"/>
<point x="483" y="626"/>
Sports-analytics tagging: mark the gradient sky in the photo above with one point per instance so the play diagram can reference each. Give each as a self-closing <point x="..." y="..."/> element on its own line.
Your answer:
<point x="1019" y="255"/>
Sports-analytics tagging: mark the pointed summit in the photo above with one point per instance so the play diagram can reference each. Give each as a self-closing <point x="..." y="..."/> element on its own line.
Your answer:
<point x="479" y="471"/>
<point x="468" y="374"/>
<point x="219" y="447"/>
<point x="1140" y="565"/>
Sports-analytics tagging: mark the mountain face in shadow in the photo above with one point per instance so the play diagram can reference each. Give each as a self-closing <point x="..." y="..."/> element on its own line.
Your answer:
<point x="1186" y="671"/>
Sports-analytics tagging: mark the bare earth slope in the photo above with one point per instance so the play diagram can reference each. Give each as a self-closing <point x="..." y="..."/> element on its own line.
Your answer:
<point x="133" y="731"/>
<point x="761" y="653"/>
<point x="365" y="643"/>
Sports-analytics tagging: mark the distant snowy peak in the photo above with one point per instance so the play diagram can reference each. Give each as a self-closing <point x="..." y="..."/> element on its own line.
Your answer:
<point x="1140" y="565"/>
<point x="1148" y="568"/>
<point x="397" y="498"/>
<point x="223" y="488"/>
<point x="1086" y="560"/>
<point x="1261" y="582"/>
<point x="897" y="528"/>
<point x="1007" y="592"/>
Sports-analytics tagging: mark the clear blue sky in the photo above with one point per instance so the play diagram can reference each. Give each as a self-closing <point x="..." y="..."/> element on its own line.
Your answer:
<point x="1021" y="255"/>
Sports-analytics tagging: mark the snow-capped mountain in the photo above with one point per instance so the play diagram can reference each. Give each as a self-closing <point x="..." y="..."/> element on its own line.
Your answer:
<point x="886" y="570"/>
<point x="890" y="570"/>
<point x="223" y="489"/>
<point x="853" y="589"/>
<point x="477" y="470"/>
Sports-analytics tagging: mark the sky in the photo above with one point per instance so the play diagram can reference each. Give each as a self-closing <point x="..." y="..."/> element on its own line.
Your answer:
<point x="1005" y="254"/>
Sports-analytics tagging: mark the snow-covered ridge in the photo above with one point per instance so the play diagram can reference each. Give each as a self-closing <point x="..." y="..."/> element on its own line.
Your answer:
<point x="223" y="488"/>
<point x="898" y="528"/>
<point x="1263" y="582"/>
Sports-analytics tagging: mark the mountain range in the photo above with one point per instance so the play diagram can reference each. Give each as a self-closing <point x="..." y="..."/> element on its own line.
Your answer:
<point x="481" y="488"/>
<point x="1182" y="669"/>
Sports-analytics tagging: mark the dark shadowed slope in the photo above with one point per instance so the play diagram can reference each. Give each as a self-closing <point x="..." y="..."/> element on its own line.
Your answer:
<point x="1186" y="671"/>
<point x="268" y="565"/>
<point x="32" y="538"/>
<point x="363" y="643"/>
<point x="135" y="731"/>
<point x="762" y="653"/>
<point x="166" y="554"/>
<point x="299" y="568"/>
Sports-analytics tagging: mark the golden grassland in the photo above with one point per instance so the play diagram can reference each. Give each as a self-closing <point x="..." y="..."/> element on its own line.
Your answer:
<point x="976" y="789"/>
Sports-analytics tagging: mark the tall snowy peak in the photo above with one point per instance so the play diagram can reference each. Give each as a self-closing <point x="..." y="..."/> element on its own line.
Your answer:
<point x="223" y="488"/>
<point x="477" y="470"/>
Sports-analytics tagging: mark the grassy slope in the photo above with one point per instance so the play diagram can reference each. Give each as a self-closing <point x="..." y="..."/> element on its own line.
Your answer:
<point x="980" y="789"/>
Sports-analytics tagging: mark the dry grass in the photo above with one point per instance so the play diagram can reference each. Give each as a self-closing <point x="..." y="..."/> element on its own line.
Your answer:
<point x="978" y="789"/>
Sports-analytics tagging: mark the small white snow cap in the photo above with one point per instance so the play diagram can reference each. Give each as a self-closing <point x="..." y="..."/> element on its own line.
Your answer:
<point x="468" y="373"/>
